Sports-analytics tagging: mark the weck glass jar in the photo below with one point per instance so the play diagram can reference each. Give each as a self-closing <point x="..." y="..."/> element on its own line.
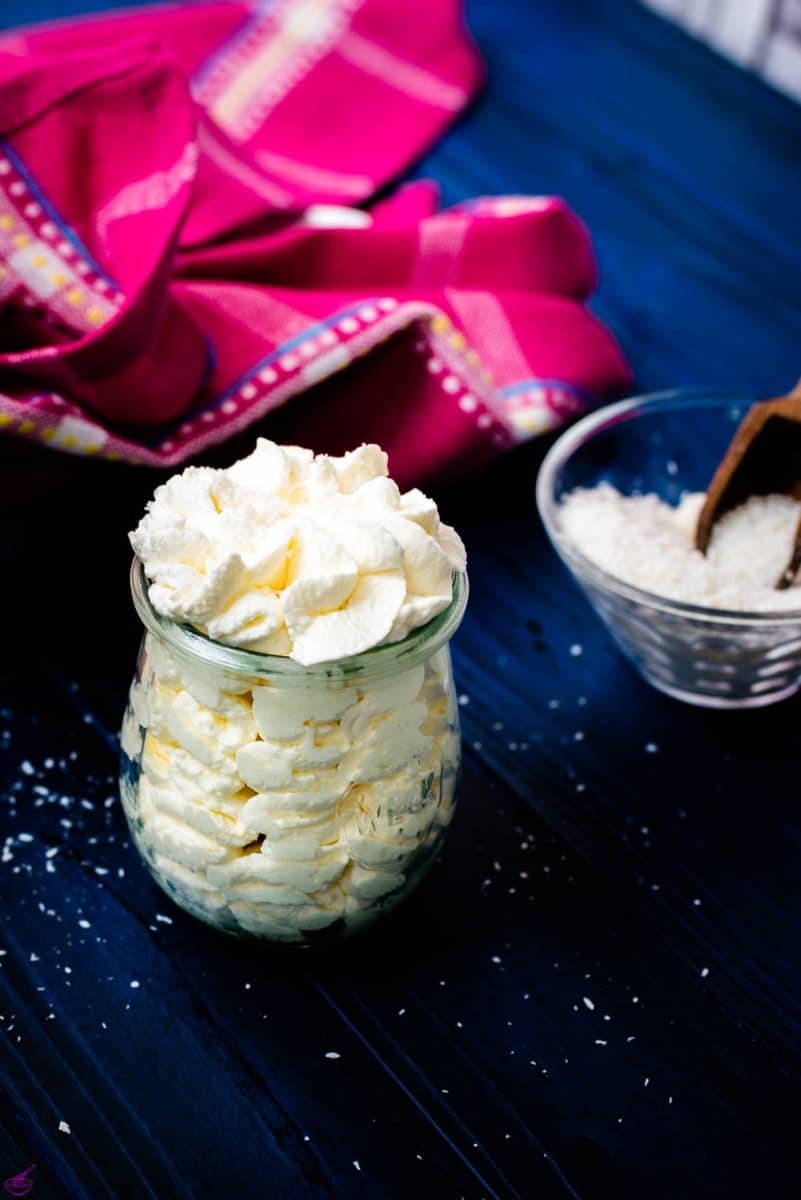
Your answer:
<point x="288" y="802"/>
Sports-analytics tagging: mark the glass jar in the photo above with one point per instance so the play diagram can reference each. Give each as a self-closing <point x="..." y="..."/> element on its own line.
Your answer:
<point x="289" y="802"/>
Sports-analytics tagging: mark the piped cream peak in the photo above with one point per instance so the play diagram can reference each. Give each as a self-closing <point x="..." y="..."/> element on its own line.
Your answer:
<point x="314" y="557"/>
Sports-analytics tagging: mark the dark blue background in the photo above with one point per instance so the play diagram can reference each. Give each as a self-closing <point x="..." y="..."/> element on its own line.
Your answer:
<point x="610" y="844"/>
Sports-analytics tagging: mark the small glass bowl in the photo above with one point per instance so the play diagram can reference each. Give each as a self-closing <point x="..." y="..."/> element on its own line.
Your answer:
<point x="670" y="443"/>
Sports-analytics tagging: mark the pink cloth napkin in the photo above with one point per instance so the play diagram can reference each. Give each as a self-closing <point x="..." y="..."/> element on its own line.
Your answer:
<point x="181" y="250"/>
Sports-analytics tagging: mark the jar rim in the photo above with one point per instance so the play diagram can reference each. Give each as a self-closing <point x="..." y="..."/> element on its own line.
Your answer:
<point x="193" y="646"/>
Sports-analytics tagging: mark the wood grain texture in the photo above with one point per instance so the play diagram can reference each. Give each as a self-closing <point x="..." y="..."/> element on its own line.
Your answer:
<point x="596" y="993"/>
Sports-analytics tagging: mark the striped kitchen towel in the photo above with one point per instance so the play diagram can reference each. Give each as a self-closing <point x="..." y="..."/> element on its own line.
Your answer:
<point x="186" y="243"/>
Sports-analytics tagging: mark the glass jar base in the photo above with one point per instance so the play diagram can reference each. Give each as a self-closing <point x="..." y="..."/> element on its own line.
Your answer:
<point x="331" y="935"/>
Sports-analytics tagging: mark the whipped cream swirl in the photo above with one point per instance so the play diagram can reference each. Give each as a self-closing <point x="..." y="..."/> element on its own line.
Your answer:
<point x="286" y="552"/>
<point x="282" y="812"/>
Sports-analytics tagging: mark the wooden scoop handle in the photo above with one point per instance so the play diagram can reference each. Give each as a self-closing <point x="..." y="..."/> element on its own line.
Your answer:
<point x="752" y="424"/>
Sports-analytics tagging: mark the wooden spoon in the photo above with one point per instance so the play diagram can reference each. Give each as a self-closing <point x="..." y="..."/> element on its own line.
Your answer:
<point x="764" y="457"/>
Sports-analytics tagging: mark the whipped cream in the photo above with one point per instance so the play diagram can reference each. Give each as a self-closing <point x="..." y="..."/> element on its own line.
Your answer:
<point x="281" y="811"/>
<point x="290" y="553"/>
<point x="274" y="805"/>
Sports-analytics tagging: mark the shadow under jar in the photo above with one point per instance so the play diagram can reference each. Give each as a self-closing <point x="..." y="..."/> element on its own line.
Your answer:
<point x="287" y="802"/>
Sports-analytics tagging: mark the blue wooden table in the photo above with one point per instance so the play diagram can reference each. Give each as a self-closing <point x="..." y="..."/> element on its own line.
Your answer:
<point x="597" y="993"/>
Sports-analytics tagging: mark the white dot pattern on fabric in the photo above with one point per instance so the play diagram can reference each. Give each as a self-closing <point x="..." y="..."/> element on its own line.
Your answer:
<point x="76" y="434"/>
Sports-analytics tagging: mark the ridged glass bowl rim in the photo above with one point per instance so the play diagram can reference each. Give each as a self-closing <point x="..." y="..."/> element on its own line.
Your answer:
<point x="194" y="647"/>
<point x="599" y="422"/>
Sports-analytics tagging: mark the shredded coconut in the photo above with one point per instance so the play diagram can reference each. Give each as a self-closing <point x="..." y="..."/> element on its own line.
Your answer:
<point x="648" y="543"/>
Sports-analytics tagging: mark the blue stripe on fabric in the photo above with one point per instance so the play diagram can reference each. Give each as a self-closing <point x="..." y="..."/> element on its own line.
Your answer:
<point x="528" y="385"/>
<point x="65" y="228"/>
<point x="285" y="348"/>
<point x="164" y="432"/>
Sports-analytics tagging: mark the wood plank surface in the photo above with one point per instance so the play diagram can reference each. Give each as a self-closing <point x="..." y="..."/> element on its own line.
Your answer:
<point x="596" y="992"/>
